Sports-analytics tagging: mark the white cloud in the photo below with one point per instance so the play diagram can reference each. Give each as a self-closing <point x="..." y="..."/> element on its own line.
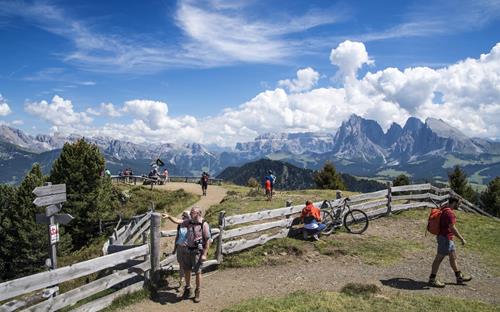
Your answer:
<point x="4" y="107"/>
<point x="306" y="79"/>
<point x="17" y="122"/>
<point x="349" y="56"/>
<point x="58" y="112"/>
<point x="108" y="109"/>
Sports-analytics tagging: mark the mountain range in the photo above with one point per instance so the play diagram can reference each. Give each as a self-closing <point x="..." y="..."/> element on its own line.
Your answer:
<point x="422" y="150"/>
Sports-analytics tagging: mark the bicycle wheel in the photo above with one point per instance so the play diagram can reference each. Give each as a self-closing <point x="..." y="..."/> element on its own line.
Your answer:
<point x="356" y="221"/>
<point x="327" y="219"/>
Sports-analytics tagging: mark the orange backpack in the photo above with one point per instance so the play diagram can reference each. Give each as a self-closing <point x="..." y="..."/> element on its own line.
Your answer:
<point x="433" y="224"/>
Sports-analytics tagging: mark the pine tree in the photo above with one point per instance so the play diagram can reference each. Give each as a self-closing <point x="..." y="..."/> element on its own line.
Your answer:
<point x="329" y="178"/>
<point x="7" y="200"/>
<point x="490" y="198"/>
<point x="400" y="180"/>
<point x="26" y="241"/>
<point x="80" y="166"/>
<point x="458" y="183"/>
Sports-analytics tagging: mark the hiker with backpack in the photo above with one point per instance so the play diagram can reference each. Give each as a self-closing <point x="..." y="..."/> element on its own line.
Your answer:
<point x="442" y="223"/>
<point x="204" y="182"/>
<point x="197" y="245"/>
<point x="181" y="244"/>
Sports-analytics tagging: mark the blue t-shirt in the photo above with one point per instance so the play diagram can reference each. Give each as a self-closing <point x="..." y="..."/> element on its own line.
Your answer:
<point x="182" y="236"/>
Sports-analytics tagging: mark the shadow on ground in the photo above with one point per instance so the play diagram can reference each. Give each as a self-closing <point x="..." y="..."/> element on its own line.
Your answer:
<point x="405" y="283"/>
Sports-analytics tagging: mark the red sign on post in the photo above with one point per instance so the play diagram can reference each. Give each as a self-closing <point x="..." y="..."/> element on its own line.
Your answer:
<point x="54" y="233"/>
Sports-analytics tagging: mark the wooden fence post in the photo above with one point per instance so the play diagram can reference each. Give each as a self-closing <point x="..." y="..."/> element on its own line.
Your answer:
<point x="155" y="247"/>
<point x="389" y="198"/>
<point x="218" y="252"/>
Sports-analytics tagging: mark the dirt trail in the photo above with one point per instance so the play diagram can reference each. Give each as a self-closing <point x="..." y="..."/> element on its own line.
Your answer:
<point x="222" y="289"/>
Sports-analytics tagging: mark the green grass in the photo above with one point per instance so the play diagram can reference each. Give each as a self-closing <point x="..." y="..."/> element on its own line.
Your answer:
<point x="240" y="200"/>
<point x="372" y="250"/>
<point x="392" y="173"/>
<point x="124" y="301"/>
<point x="340" y="302"/>
<point x="481" y="233"/>
<point x="274" y="252"/>
<point x="140" y="200"/>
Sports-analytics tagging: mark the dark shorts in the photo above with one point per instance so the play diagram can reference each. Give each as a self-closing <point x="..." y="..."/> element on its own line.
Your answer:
<point x="445" y="245"/>
<point x="191" y="259"/>
<point x="179" y="251"/>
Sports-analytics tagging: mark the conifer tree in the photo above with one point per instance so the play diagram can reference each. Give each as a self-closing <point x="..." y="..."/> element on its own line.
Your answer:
<point x="7" y="200"/>
<point x="329" y="178"/>
<point x="26" y="241"/>
<point x="400" y="180"/>
<point x="458" y="183"/>
<point x="490" y="198"/>
<point x="80" y="166"/>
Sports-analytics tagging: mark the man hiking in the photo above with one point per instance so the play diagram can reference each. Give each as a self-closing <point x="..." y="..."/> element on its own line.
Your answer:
<point x="446" y="245"/>
<point x="204" y="182"/>
<point x="311" y="216"/>
<point x="197" y="243"/>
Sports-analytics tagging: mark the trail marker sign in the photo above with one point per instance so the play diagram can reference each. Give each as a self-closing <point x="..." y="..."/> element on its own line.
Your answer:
<point x="54" y="233"/>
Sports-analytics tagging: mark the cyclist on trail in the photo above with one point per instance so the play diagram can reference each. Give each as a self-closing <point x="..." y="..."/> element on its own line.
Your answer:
<point x="311" y="216"/>
<point x="204" y="182"/>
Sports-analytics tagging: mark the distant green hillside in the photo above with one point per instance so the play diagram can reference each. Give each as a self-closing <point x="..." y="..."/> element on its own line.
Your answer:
<point x="290" y="177"/>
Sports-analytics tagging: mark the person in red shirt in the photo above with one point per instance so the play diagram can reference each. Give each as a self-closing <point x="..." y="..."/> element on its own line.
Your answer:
<point x="269" y="193"/>
<point x="446" y="245"/>
<point x="311" y="216"/>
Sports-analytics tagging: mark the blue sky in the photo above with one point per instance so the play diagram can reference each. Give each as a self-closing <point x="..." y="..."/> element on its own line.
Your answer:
<point x="210" y="70"/>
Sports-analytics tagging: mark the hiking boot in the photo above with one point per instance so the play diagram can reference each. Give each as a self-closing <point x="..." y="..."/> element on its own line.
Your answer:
<point x="187" y="293"/>
<point x="434" y="282"/>
<point x="197" y="295"/>
<point x="462" y="278"/>
<point x="316" y="237"/>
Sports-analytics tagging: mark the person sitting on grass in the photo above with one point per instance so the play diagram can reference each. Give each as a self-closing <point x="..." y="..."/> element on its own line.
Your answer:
<point x="311" y="216"/>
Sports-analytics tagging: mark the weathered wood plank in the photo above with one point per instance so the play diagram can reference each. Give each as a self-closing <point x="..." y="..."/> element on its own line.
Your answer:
<point x="73" y="296"/>
<point x="411" y="205"/>
<point x="138" y="225"/>
<point x="412" y="197"/>
<point x="366" y="196"/>
<point x="412" y="187"/>
<point x="242" y="244"/>
<point x="265" y="214"/>
<point x="101" y="303"/>
<point x="49" y="190"/>
<point x="173" y="233"/>
<point x="33" y="282"/>
<point x="139" y="233"/>
<point x="50" y="200"/>
<point x="370" y="204"/>
<point x="228" y="234"/>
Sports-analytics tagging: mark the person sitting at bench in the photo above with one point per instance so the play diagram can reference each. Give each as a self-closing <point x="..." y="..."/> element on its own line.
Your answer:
<point x="311" y="216"/>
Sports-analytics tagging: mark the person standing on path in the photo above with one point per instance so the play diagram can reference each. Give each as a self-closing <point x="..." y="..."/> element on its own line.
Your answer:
<point x="446" y="245"/>
<point x="204" y="182"/>
<point x="181" y="245"/>
<point x="198" y="243"/>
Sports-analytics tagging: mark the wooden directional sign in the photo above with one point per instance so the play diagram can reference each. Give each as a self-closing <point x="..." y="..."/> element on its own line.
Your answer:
<point x="50" y="190"/>
<point x="62" y="218"/>
<point x="50" y="200"/>
<point x="52" y="209"/>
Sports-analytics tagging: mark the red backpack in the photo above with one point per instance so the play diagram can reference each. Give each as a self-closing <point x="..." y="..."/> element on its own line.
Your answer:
<point x="433" y="224"/>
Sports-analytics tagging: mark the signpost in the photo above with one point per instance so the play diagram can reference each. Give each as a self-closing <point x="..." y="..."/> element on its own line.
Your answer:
<point x="52" y="196"/>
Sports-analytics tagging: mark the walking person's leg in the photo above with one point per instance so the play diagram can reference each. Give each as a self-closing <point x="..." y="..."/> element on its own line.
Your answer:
<point x="443" y="249"/>
<point x="197" y="270"/>
<point x="461" y="278"/>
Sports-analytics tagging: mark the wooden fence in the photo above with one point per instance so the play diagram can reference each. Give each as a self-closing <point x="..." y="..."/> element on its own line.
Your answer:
<point x="240" y="232"/>
<point x="131" y="258"/>
<point x="161" y="180"/>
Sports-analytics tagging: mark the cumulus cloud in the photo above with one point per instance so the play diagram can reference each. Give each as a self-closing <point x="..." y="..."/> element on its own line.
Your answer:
<point x="58" y="112"/>
<point x="4" y="107"/>
<point x="306" y="79"/>
<point x="349" y="56"/>
<point x="465" y="94"/>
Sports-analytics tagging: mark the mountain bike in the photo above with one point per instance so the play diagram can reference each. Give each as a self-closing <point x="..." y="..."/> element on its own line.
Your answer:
<point x="334" y="217"/>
